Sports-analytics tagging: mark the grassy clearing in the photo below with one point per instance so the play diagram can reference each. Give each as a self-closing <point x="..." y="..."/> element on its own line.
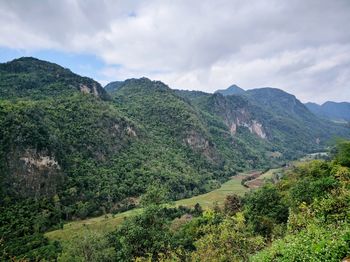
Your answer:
<point x="233" y="186"/>
<point x="103" y="224"/>
<point x="108" y="223"/>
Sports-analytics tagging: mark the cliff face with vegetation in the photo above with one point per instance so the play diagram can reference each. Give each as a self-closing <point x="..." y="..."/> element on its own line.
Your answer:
<point x="69" y="149"/>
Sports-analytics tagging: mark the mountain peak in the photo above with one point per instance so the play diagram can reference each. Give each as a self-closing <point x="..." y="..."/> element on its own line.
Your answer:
<point x="231" y="90"/>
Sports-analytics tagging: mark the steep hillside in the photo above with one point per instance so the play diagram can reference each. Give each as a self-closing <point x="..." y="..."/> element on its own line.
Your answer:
<point x="331" y="110"/>
<point x="236" y="131"/>
<point x="178" y="117"/>
<point x="178" y="140"/>
<point x="112" y="87"/>
<point x="32" y="78"/>
<point x="58" y="140"/>
<point x="294" y="119"/>
<point x="278" y="123"/>
<point x="46" y="144"/>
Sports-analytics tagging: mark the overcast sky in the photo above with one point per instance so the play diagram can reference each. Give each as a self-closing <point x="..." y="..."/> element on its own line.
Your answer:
<point x="302" y="47"/>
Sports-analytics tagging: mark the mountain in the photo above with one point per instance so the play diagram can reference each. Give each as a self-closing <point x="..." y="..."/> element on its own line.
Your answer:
<point x="58" y="141"/>
<point x="32" y="78"/>
<point x="331" y="110"/>
<point x="294" y="120"/>
<point x="231" y="90"/>
<point x="70" y="149"/>
<point x="179" y="149"/>
<point x="283" y="124"/>
<point x="64" y="133"/>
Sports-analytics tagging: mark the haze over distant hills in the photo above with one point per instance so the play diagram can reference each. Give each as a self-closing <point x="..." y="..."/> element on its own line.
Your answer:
<point x="338" y="111"/>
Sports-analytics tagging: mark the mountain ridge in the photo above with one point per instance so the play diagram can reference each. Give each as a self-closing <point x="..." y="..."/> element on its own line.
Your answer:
<point x="331" y="110"/>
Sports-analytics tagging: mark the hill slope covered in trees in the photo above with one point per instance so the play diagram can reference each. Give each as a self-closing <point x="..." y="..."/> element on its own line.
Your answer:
<point x="69" y="150"/>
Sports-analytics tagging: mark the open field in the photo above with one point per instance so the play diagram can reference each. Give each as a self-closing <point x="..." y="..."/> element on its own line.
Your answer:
<point x="233" y="186"/>
<point x="103" y="224"/>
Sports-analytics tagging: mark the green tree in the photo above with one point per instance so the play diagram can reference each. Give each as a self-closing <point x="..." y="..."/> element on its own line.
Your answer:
<point x="264" y="208"/>
<point x="91" y="246"/>
<point x="343" y="153"/>
<point x="227" y="241"/>
<point x="155" y="195"/>
<point x="233" y="204"/>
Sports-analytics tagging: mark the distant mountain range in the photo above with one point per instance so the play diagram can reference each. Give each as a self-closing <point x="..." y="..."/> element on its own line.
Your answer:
<point x="334" y="111"/>
<point x="331" y="110"/>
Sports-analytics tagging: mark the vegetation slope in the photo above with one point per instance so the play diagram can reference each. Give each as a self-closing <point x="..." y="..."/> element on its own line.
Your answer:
<point x="69" y="150"/>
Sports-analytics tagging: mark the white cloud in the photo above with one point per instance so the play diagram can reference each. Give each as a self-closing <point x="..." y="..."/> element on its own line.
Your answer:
<point x="300" y="46"/>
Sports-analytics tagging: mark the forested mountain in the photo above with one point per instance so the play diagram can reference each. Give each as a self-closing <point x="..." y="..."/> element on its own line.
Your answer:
<point x="69" y="150"/>
<point x="29" y="77"/>
<point x="331" y="110"/>
<point x="283" y="124"/>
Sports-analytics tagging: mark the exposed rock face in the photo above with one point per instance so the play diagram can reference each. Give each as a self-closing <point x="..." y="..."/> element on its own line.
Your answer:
<point x="130" y="131"/>
<point x="121" y="129"/>
<point x="89" y="90"/>
<point x="199" y="143"/>
<point x="234" y="110"/>
<point x="233" y="129"/>
<point x="196" y="141"/>
<point x="257" y="128"/>
<point x="34" y="174"/>
<point x="242" y="119"/>
<point x="40" y="162"/>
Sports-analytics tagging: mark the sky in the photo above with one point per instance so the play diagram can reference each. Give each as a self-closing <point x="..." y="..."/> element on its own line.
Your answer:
<point x="300" y="46"/>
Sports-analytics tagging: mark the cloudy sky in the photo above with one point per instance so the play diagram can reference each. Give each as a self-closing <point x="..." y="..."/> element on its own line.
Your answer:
<point x="302" y="47"/>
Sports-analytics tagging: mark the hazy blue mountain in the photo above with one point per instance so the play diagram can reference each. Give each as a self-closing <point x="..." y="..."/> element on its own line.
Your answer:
<point x="331" y="110"/>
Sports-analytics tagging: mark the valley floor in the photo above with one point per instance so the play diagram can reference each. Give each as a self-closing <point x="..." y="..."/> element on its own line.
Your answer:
<point x="108" y="223"/>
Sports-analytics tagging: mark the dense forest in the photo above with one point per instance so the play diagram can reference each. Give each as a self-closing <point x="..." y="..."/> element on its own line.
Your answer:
<point x="70" y="149"/>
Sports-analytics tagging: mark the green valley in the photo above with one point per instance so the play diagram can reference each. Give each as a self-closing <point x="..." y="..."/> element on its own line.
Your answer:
<point x="77" y="156"/>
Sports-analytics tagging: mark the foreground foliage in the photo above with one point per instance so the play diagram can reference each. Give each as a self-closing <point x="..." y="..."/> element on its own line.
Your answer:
<point x="304" y="216"/>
